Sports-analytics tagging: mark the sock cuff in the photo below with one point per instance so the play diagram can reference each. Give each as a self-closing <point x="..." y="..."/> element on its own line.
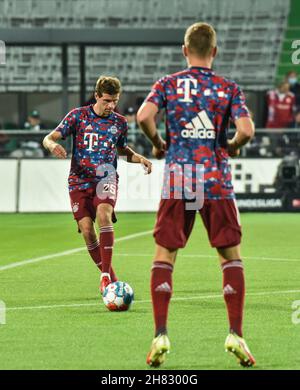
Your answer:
<point x="94" y="245"/>
<point x="106" y="229"/>
<point x="232" y="264"/>
<point x="162" y="265"/>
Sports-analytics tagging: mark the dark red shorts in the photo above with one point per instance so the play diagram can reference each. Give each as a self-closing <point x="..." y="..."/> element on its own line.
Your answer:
<point x="220" y="217"/>
<point x="84" y="203"/>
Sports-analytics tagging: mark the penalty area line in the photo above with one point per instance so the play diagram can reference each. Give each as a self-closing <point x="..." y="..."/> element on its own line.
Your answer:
<point x="280" y="259"/>
<point x="78" y="305"/>
<point x="67" y="253"/>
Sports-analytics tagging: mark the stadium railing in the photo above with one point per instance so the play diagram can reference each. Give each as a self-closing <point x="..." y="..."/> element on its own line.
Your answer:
<point x="267" y="143"/>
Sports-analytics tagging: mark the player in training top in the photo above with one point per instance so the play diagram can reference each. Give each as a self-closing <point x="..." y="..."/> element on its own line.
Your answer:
<point x="199" y="105"/>
<point x="99" y="136"/>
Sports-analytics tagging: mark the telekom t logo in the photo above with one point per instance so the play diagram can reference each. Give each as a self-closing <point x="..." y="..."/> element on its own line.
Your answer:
<point x="91" y="140"/>
<point x="187" y="89"/>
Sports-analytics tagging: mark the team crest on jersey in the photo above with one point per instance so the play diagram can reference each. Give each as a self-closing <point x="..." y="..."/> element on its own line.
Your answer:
<point x="113" y="129"/>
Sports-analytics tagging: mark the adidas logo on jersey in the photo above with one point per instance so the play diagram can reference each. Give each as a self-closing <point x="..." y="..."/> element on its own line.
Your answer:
<point x="202" y="134"/>
<point x="200" y="127"/>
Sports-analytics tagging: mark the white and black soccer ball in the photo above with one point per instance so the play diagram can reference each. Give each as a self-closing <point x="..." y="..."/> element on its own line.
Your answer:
<point x="118" y="296"/>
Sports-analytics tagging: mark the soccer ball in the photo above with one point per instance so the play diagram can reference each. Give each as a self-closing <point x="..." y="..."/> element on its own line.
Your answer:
<point x="118" y="296"/>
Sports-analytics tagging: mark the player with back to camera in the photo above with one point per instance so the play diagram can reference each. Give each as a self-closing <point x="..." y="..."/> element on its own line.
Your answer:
<point x="99" y="136"/>
<point x="199" y="105"/>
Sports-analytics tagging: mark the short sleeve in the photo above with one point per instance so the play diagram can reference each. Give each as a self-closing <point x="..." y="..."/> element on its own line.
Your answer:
<point x="122" y="140"/>
<point x="157" y="94"/>
<point x="238" y="104"/>
<point x="67" y="125"/>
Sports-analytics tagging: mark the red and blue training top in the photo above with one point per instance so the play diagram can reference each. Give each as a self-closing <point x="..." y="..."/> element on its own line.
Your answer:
<point x="199" y="106"/>
<point x="95" y="142"/>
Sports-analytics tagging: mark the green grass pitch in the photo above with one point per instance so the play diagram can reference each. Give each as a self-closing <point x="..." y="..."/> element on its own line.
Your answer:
<point x="55" y="318"/>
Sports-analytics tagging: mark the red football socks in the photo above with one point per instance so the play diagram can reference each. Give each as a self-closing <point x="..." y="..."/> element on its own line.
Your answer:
<point x="161" y="291"/>
<point x="234" y="294"/>
<point x="106" y="246"/>
<point x="94" y="251"/>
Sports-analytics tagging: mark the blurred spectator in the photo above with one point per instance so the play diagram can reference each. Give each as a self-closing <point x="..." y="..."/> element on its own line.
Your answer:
<point x="34" y="121"/>
<point x="281" y="107"/>
<point x="130" y="115"/>
<point x="292" y="78"/>
<point x="3" y="142"/>
<point x="30" y="148"/>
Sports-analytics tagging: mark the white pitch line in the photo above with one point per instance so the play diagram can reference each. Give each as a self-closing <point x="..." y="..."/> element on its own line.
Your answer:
<point x="263" y="293"/>
<point x="66" y="253"/>
<point x="210" y="256"/>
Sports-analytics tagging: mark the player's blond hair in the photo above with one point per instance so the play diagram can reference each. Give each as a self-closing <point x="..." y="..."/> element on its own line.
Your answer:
<point x="200" y="39"/>
<point x="108" y="84"/>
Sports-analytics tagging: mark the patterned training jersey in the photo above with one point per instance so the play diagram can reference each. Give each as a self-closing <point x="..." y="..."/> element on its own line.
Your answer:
<point x="95" y="142"/>
<point x="199" y="106"/>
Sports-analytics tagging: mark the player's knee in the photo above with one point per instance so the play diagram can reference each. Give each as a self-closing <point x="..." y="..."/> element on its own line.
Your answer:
<point x="229" y="253"/>
<point x="88" y="233"/>
<point x="89" y="236"/>
<point x="104" y="214"/>
<point x="105" y="219"/>
<point x="165" y="255"/>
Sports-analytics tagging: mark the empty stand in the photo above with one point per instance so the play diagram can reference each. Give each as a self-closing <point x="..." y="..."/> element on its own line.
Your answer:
<point x="250" y="35"/>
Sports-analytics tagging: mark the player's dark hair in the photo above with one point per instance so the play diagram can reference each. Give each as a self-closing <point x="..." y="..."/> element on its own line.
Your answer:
<point x="109" y="85"/>
<point x="200" y="39"/>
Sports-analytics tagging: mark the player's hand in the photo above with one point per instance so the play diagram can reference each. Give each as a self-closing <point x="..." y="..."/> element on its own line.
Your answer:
<point x="232" y="150"/>
<point x="58" y="151"/>
<point x="160" y="153"/>
<point x="147" y="165"/>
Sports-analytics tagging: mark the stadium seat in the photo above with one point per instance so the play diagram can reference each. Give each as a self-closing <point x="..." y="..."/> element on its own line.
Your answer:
<point x="249" y="34"/>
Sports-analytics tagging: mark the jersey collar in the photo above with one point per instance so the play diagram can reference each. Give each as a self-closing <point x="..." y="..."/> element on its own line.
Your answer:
<point x="202" y="69"/>
<point x="99" y="116"/>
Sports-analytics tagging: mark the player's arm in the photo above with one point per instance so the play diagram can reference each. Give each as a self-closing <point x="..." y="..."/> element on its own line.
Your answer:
<point x="50" y="143"/>
<point x="146" y="120"/>
<point x="133" y="157"/>
<point x="244" y="133"/>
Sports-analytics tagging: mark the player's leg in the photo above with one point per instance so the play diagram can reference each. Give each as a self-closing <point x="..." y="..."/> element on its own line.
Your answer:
<point x="173" y="227"/>
<point x="221" y="219"/>
<point x="84" y="213"/>
<point x="161" y="292"/>
<point x="161" y="286"/>
<point x="233" y="286"/>
<point x="104" y="218"/>
<point x="87" y="228"/>
<point x="234" y="296"/>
